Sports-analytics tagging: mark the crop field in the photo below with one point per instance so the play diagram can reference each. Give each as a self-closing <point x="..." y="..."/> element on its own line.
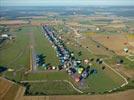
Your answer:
<point x="8" y="89"/>
<point x="120" y="41"/>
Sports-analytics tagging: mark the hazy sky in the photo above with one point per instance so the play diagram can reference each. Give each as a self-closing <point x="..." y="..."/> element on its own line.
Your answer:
<point x="64" y="2"/>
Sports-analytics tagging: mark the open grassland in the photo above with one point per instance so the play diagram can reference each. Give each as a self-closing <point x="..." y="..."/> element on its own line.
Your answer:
<point x="127" y="63"/>
<point x="16" y="53"/>
<point x="47" y="76"/>
<point x="104" y="79"/>
<point x="51" y="88"/>
<point x="98" y="83"/>
<point x="12" y="22"/>
<point x="39" y="20"/>
<point x="121" y="42"/>
<point x="43" y="46"/>
<point x="49" y="83"/>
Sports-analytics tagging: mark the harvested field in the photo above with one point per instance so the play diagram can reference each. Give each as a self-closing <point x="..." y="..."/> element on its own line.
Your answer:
<point x="119" y="42"/>
<point x="13" y="22"/>
<point x="4" y="87"/>
<point x="10" y="95"/>
<point x="93" y="47"/>
<point x="8" y="89"/>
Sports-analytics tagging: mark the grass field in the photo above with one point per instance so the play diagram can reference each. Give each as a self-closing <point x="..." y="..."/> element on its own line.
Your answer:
<point x="47" y="76"/>
<point x="103" y="80"/>
<point x="16" y="56"/>
<point x="51" y="88"/>
<point x="43" y="46"/>
<point x="127" y="63"/>
<point x="52" y="83"/>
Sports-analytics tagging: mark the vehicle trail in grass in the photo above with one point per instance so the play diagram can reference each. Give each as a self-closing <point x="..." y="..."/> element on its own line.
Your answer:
<point x="17" y="57"/>
<point x="38" y="81"/>
<point x="32" y="51"/>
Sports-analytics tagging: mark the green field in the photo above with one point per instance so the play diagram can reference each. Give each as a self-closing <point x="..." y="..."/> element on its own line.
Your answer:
<point x="93" y="22"/>
<point x="43" y="46"/>
<point x="47" y="76"/>
<point x="104" y="79"/>
<point x="51" y="88"/>
<point x="16" y="56"/>
<point x="131" y="57"/>
<point x="126" y="62"/>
